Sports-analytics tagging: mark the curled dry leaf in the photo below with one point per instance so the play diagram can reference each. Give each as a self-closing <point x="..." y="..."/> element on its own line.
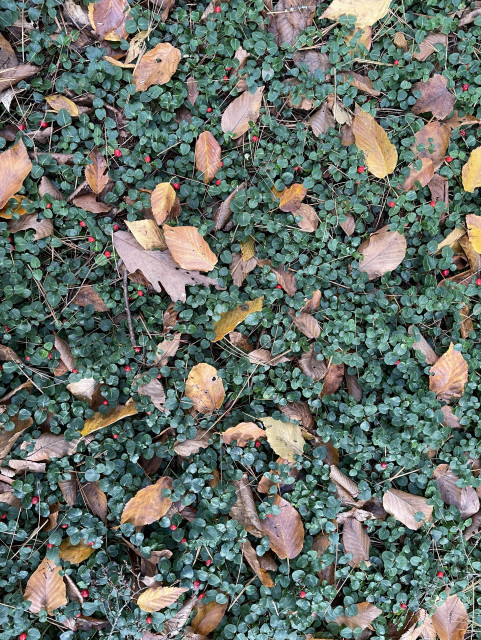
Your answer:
<point x="243" y="433"/>
<point x="102" y="420"/>
<point x="346" y="489"/>
<point x="366" y="613"/>
<point x="45" y="588"/>
<point x="285" y="531"/>
<point x="205" y="388"/>
<point x="189" y="249"/>
<point x="68" y="489"/>
<point x="230" y="319"/>
<point x="299" y="411"/>
<point x="15" y="166"/>
<point x="87" y="295"/>
<point x="254" y="562"/>
<point x="156" y="66"/>
<point x="372" y="140"/>
<point x="322" y="120"/>
<point x="473" y="529"/>
<point x="356" y="542"/>
<point x="463" y="498"/>
<point x="332" y="379"/>
<point x="320" y="545"/>
<point x="75" y="554"/>
<point x="57" y="102"/>
<point x="434" y="41"/>
<point x="223" y="214"/>
<point x="157" y="598"/>
<point x="95" y="499"/>
<point x="265" y="357"/>
<point x="8" y="438"/>
<point x="421" y="627"/>
<point x="311" y="366"/>
<point x="149" y="504"/>
<point x="449" y="375"/>
<point x="367" y="12"/>
<point x="155" y="391"/>
<point x="241" y="111"/>
<point x="382" y="252"/>
<point x="108" y="18"/>
<point x="450" y="620"/>
<point x="96" y="172"/>
<point x="421" y="345"/>
<point x="87" y="390"/>
<point x="435" y="97"/>
<point x="208" y="617"/>
<point x="207" y="156"/>
<point x="162" y="200"/>
<point x="147" y="234"/>
<point x="244" y="509"/>
<point x="353" y="387"/>
<point x="403" y="506"/>
<point x="12" y="76"/>
<point x="285" y="438"/>
<point x="466" y="324"/>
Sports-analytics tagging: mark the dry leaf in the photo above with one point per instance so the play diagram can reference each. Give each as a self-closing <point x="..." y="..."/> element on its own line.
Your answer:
<point x="223" y="214"/>
<point x="284" y="437"/>
<point x="102" y="420"/>
<point x="470" y="531"/>
<point x="285" y="531"/>
<point x="155" y="391"/>
<point x="435" y="137"/>
<point x="43" y="228"/>
<point x="57" y="102"/>
<point x="367" y="12"/>
<point x="456" y="120"/>
<point x="372" y="140"/>
<point x="95" y="499"/>
<point x="162" y="200"/>
<point x="292" y="197"/>
<point x="241" y="111"/>
<point x="422" y="176"/>
<point x="463" y="498"/>
<point x="307" y="325"/>
<point x="157" y="66"/>
<point x="96" y="173"/>
<point x="89" y="202"/>
<point x="86" y="295"/>
<point x="167" y="349"/>
<point x="449" y="375"/>
<point x="108" y="18"/>
<point x="332" y="379"/>
<point x="311" y="366"/>
<point x="87" y="390"/>
<point x="466" y="324"/>
<point x="321" y="544"/>
<point x="322" y="120"/>
<point x="290" y="18"/>
<point x="8" y="438"/>
<point x="47" y="188"/>
<point x="230" y="319"/>
<point x="309" y="219"/>
<point x="243" y="433"/>
<point x="48" y="446"/>
<point x="435" y="98"/>
<point x="75" y="554"/>
<point x="430" y="44"/>
<point x="421" y="345"/>
<point x="68" y="489"/>
<point x="192" y="90"/>
<point x="422" y="628"/>
<point x="15" y="166"/>
<point x="208" y="617"/>
<point x="356" y="542"/>
<point x="471" y="171"/>
<point x="362" y="83"/>
<point x="207" y="156"/>
<point x="45" y="588"/>
<point x="450" y="620"/>
<point x="186" y="448"/>
<point x="205" y="388"/>
<point x="403" y="506"/>
<point x="346" y="489"/>
<point x="366" y="613"/>
<point x="239" y="269"/>
<point x="12" y="76"/>
<point x="147" y="234"/>
<point x="244" y="510"/>
<point x="157" y="598"/>
<point x="382" y="252"/>
<point x="149" y="504"/>
<point x="473" y="222"/>
<point x="189" y="249"/>
<point x="254" y="562"/>
<point x="265" y="357"/>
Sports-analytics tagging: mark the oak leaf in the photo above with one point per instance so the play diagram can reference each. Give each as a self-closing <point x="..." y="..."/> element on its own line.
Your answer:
<point x="230" y="319"/>
<point x="157" y="66"/>
<point x="285" y="438"/>
<point x="15" y="166"/>
<point x="372" y="140"/>
<point x="157" y="598"/>
<point x="96" y="172"/>
<point x="189" y="249"/>
<point x="435" y="97"/>
<point x="403" y="506"/>
<point x="149" y="504"/>
<point x="205" y="388"/>
<point x="45" y="588"/>
<point x="207" y="156"/>
<point x="449" y="375"/>
<point x="382" y="252"/>
<point x="241" y="111"/>
<point x="285" y="530"/>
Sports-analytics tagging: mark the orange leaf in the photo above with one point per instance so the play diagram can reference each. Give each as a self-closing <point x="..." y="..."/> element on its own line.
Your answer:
<point x="149" y="504"/>
<point x="205" y="388"/>
<point x="15" y="166"/>
<point x="189" y="249"/>
<point x="207" y="155"/>
<point x="96" y="173"/>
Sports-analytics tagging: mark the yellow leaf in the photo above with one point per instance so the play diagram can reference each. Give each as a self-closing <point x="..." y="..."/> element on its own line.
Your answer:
<point x="451" y="240"/>
<point x="207" y="155"/>
<point x="147" y="234"/>
<point x="157" y="66"/>
<point x="15" y="166"/>
<point x="205" y="388"/>
<point x="102" y="420"/>
<point x="473" y="222"/>
<point x="243" y="433"/>
<point x="57" y="102"/>
<point x="372" y="140"/>
<point x="136" y="46"/>
<point x="119" y="63"/>
<point x="367" y="12"/>
<point x="189" y="249"/>
<point x="450" y="374"/>
<point x="472" y="171"/>
<point x="285" y="438"/>
<point x="157" y="598"/>
<point x="46" y="588"/>
<point x="230" y="319"/>
<point x="149" y="504"/>
<point x="162" y="200"/>
<point x="18" y="208"/>
<point x="248" y="249"/>
<point x="292" y="197"/>
<point x="74" y="553"/>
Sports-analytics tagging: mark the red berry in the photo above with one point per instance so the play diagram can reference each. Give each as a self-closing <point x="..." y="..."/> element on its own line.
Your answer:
<point x="173" y="527"/>
<point x="127" y="368"/>
<point x="297" y="168"/>
<point x="278" y="286"/>
<point x="49" y="545"/>
<point x="3" y="516"/>
<point x="49" y="206"/>
<point x="84" y="593"/>
<point x="22" y="636"/>
<point x="463" y="133"/>
<point x="148" y="619"/>
<point x="217" y="9"/>
<point x="302" y="594"/>
<point x="43" y="124"/>
<point x="183" y="541"/>
<point x="201" y="595"/>
<point x="74" y="371"/>
<point x="445" y="272"/>
<point x="383" y="465"/>
<point x="117" y="153"/>
<point x="64" y="526"/>
<point x="448" y="159"/>
<point x="91" y="544"/>
<point x="397" y="362"/>
<point x="404" y="605"/>
<point x="82" y="223"/>
<point x="218" y="182"/>
<point x="361" y="169"/>
<point x="208" y="562"/>
<point x="209" y="109"/>
<point x="225" y="77"/>
<point x="392" y="204"/>
<point x="49" y="356"/>
<point x="147" y="158"/>
<point x="140" y="293"/>
<point x="107" y="254"/>
<point x="228" y="68"/>
<point x="258" y="444"/>
<point x="269" y="515"/>
<point x="255" y="138"/>
<point x="91" y="239"/>
<point x="221" y="164"/>
<point x="21" y="127"/>
<point x="396" y="62"/>
<point x="27" y="358"/>
<point x="116" y="227"/>
<point x="176" y="186"/>
<point x="478" y="281"/>
<point x="35" y="500"/>
<point x="105" y="402"/>
<point x="115" y="436"/>
<point x="432" y="203"/>
<point x="137" y="349"/>
<point x="196" y="584"/>
<point x="159" y="376"/>
<point x="440" y="574"/>
<point x="465" y="87"/>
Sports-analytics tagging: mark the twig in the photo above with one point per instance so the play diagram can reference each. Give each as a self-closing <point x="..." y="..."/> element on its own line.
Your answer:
<point x="127" y="308"/>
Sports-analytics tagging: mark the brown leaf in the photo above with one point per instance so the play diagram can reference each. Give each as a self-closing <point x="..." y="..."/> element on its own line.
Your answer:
<point x="189" y="249"/>
<point x="208" y="617"/>
<point x="435" y="97"/>
<point x="147" y="234"/>
<point x="382" y="252"/>
<point x="422" y="176"/>
<point x="155" y="391"/>
<point x="290" y="18"/>
<point x="356" y="542"/>
<point x="223" y="214"/>
<point x="353" y="387"/>
<point x="451" y="420"/>
<point x="162" y="200"/>
<point x="108" y="18"/>
<point x="205" y="388"/>
<point x="254" y="562"/>
<point x="159" y="268"/>
<point x="313" y="304"/>
<point x="362" y="83"/>
<point x="332" y="379"/>
<point x="95" y="499"/>
<point x="20" y="466"/>
<point x="68" y="489"/>
<point x="321" y="544"/>
<point x="372" y="140"/>
<point x="102" y="420"/>
<point x="265" y="357"/>
<point x="439" y="188"/>
<point x="96" y="172"/>
<point x="207" y="156"/>
<point x="449" y="375"/>
<point x="309" y="219"/>
<point x="322" y="120"/>
<point x="43" y="228"/>
<point x="435" y="137"/>
<point x="173" y="625"/>
<point x="167" y="349"/>
<point x="244" y="510"/>
<point x="421" y="345"/>
<point x="307" y="325"/>
<point x="311" y="366"/>
<point x="157" y="598"/>
<point x="463" y="498"/>
<point x="48" y="446"/>
<point x="8" y="438"/>
<point x="430" y="44"/>
<point x="186" y="448"/>
<point x="466" y="324"/>
<point x="75" y="554"/>
<point x="192" y="90"/>
<point x="89" y="202"/>
<point x="291" y="197"/>
<point x="366" y="613"/>
<point x="403" y="506"/>
<point x="86" y="295"/>
<point x="45" y="588"/>
<point x="285" y="531"/>
<point x="473" y="529"/>
<point x="47" y="188"/>
<point x="66" y="357"/>
<point x="15" y="166"/>
<point x="12" y="76"/>
<point x="286" y="279"/>
<point x="87" y="390"/>
<point x="456" y="120"/>
<point x="313" y="60"/>
<point x="243" y="433"/>
<point x="241" y="111"/>
<point x="422" y="628"/>
<point x="240" y="269"/>
<point x="346" y="489"/>
<point x="157" y="66"/>
<point x="149" y="504"/>
<point x="450" y="620"/>
<point x="299" y="411"/>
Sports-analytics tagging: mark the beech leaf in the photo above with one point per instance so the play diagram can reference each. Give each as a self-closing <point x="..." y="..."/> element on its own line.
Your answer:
<point x="285" y="530"/>
<point x="243" y="433"/>
<point x="366" y="613"/>
<point x="382" y="252"/>
<point x="57" y="102"/>
<point x="208" y="617"/>
<point x="96" y="173"/>
<point x="449" y="375"/>
<point x="372" y="140"/>
<point x="464" y="498"/>
<point x="367" y="12"/>
<point x="471" y="171"/>
<point x="205" y="388"/>
<point x="189" y="249"/>
<point x="230" y="319"/>
<point x="162" y="200"/>
<point x="157" y="66"/>
<point x="149" y="504"/>
<point x="15" y="166"/>
<point x="285" y="438"/>
<point x="473" y="222"/>
<point x="45" y="588"/>
<point x="450" y="620"/>
<point x="241" y="111"/>
<point x="157" y="598"/>
<point x="403" y="506"/>
<point x="207" y="155"/>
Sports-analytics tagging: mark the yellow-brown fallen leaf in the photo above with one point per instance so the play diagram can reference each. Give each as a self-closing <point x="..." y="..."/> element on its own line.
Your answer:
<point x="372" y="140"/>
<point x="149" y="504"/>
<point x="207" y="156"/>
<point x="291" y="198"/>
<point x="162" y="200"/>
<point x="367" y="12"/>
<point x="15" y="166"/>
<point x="243" y="433"/>
<point x="157" y="66"/>
<point x="157" y="598"/>
<point x="19" y="209"/>
<point x="230" y="319"/>
<point x="108" y="18"/>
<point x="472" y="171"/>
<point x="96" y="172"/>
<point x="285" y="438"/>
<point x="189" y="249"/>
<point x="403" y="506"/>
<point x="45" y="588"/>
<point x="473" y="222"/>
<point x="57" y="102"/>
<point x="366" y="613"/>
<point x="100" y="421"/>
<point x="449" y="375"/>
<point x="147" y="234"/>
<point x="208" y="617"/>
<point x="75" y="554"/>
<point x="285" y="530"/>
<point x="205" y="388"/>
<point x="451" y="619"/>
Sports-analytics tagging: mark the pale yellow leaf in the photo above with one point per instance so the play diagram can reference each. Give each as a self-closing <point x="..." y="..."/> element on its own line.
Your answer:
<point x="230" y="319"/>
<point x="285" y="438"/>
<point x="57" y="102"/>
<point x="367" y="12"/>
<point x="189" y="249"/>
<point x="241" y="111"/>
<point x="15" y="165"/>
<point x="372" y="140"/>
<point x="473" y="222"/>
<point x="74" y="553"/>
<point x="147" y="234"/>
<point x="102" y="420"/>
<point x="157" y="598"/>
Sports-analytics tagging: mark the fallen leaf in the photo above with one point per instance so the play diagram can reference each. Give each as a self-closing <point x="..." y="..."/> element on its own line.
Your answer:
<point x="434" y="41"/>
<point x="12" y="76"/>
<point x="450" y="620"/>
<point x="149" y="504"/>
<point x="68" y="489"/>
<point x="162" y="200"/>
<point x="87" y="390"/>
<point x="473" y="222"/>
<point x="243" y="433"/>
<point x="87" y="295"/>
<point x="207" y="156"/>
<point x="108" y="18"/>
<point x="355" y="542"/>
<point x="102" y="420"/>
<point x="223" y="214"/>
<point x="322" y="120"/>
<point x="8" y="438"/>
<point x="422" y="176"/>
<point x="435" y="137"/>
<point x="43" y="228"/>
<point x="365" y="39"/>
<point x="157" y="598"/>
<point x="244" y="510"/>
<point x="309" y="219"/>
<point x="15" y="207"/>
<point x="45" y="588"/>
<point x="147" y="234"/>
<point x="353" y="387"/>
<point x="173" y="625"/>
<point x="471" y="171"/>
<point x="265" y="357"/>
<point x="89" y="202"/>
<point x="361" y="83"/>
<point x="95" y="499"/>
<point x="75" y="554"/>
<point x="332" y="379"/>
<point x="320" y="545"/>
<point x="307" y="325"/>
<point x="208" y="617"/>
<point x="239" y="269"/>
<point x="367" y="12"/>
<point x="403" y="506"/>
<point x="192" y="90"/>
<point x="346" y="489"/>
<point x="435" y="97"/>
<point x="189" y="249"/>
<point x="285" y="278"/>
<point x="254" y="562"/>
<point x="230" y="319"/>
<point x="136" y="46"/>
<point x="285" y="530"/>
<point x="205" y="388"/>
<point x="472" y="530"/>
<point x="421" y="345"/>
<point x="422" y="628"/>
<point x="456" y="120"/>
<point x="449" y="375"/>
<point x="15" y="166"/>
<point x="167" y="349"/>
<point x="382" y="252"/>
<point x="366" y="613"/>
<point x="47" y="188"/>
<point x="155" y="391"/>
<point x="466" y="324"/>
<point x="57" y="102"/>
<point x="241" y="111"/>
<point x="463" y="498"/>
<point x="372" y="140"/>
<point x="290" y="18"/>
<point x="311" y="366"/>
<point x="48" y="446"/>
<point x="157" y="66"/>
<point x="292" y="197"/>
<point x="285" y="438"/>
<point x="186" y="448"/>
